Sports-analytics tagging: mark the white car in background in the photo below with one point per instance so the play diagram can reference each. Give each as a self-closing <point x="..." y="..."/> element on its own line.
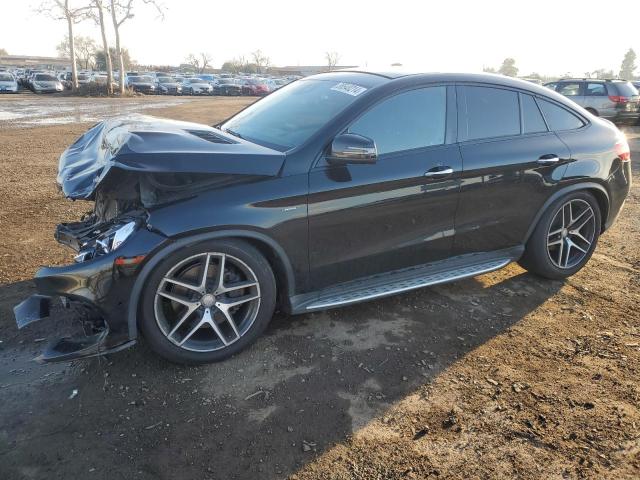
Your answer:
<point x="8" y="83"/>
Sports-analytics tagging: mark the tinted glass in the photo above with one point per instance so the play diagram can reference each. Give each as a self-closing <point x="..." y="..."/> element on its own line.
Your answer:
<point x="626" y="89"/>
<point x="292" y="114"/>
<point x="571" y="89"/>
<point x="552" y="86"/>
<point x="45" y="78"/>
<point x="5" y="77"/>
<point x="558" y="118"/>
<point x="409" y="120"/>
<point x="595" y="90"/>
<point x="532" y="121"/>
<point x="492" y="112"/>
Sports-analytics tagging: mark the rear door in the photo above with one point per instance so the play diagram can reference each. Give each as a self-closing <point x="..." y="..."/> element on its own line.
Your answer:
<point x="370" y="219"/>
<point x="596" y="98"/>
<point x="511" y="164"/>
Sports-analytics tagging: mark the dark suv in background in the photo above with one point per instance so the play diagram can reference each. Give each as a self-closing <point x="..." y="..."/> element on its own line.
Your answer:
<point x="615" y="100"/>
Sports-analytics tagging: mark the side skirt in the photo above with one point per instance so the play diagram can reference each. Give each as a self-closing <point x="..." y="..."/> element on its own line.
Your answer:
<point x="398" y="281"/>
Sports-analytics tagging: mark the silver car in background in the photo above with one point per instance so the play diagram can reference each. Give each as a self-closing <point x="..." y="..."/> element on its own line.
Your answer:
<point x="45" y="83"/>
<point x="8" y="83"/>
<point x="615" y="100"/>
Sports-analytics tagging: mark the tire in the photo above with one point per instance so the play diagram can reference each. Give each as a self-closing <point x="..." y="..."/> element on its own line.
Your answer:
<point x="548" y="252"/>
<point x="199" y="331"/>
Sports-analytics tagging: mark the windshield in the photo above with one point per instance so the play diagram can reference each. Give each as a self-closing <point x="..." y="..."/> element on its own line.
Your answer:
<point x="45" y="78"/>
<point x="4" y="77"/>
<point x="166" y="80"/>
<point x="291" y="115"/>
<point x="196" y="80"/>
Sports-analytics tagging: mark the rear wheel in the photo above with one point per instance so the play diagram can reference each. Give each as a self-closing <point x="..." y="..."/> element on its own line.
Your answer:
<point x="206" y="302"/>
<point x="565" y="237"/>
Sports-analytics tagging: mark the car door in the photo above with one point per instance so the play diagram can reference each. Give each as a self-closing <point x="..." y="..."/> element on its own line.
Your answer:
<point x="596" y="98"/>
<point x="511" y="164"/>
<point x="367" y="219"/>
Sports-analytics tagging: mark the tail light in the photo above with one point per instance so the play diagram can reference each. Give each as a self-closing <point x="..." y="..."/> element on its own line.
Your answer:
<point x="618" y="99"/>
<point x="622" y="150"/>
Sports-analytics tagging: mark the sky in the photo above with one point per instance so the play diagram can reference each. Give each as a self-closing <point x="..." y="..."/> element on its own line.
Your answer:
<point x="547" y="37"/>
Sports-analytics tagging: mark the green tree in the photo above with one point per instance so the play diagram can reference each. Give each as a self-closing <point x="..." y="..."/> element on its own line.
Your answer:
<point x="628" y="65"/>
<point x="509" y="68"/>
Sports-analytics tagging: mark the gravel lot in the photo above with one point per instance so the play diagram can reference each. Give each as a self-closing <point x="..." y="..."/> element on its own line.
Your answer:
<point x="504" y="375"/>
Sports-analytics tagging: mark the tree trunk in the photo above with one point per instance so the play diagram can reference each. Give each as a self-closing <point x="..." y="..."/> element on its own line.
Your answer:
<point x="72" y="50"/>
<point x="105" y="46"/>
<point x="116" y="28"/>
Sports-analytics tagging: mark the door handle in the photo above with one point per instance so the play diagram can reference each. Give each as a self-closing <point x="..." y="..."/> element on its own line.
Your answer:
<point x="439" y="172"/>
<point x="548" y="159"/>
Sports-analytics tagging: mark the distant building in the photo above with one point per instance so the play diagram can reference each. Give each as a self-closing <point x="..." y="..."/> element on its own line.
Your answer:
<point x="304" y="70"/>
<point x="34" y="62"/>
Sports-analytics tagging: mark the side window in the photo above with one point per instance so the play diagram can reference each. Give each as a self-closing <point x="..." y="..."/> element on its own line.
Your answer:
<point x="491" y="112"/>
<point x="596" y="90"/>
<point x="405" y="121"/>
<point x="559" y="118"/>
<point x="552" y="86"/>
<point x="569" y="89"/>
<point x="532" y="121"/>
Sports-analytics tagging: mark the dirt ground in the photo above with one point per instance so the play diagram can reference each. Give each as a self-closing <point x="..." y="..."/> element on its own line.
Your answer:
<point x="500" y="376"/>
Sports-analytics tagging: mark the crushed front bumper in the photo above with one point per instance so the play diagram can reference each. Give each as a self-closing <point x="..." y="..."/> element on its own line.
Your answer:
<point x="101" y="289"/>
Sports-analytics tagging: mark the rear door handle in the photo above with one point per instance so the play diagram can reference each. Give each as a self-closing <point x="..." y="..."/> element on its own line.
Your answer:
<point x="439" y="172"/>
<point x="548" y="159"/>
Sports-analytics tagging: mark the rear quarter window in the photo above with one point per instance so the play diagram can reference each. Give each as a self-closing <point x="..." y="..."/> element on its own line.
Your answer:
<point x="624" y="89"/>
<point x="559" y="118"/>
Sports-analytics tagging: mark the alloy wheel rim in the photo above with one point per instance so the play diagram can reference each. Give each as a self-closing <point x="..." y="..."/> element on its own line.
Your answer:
<point x="571" y="234"/>
<point x="207" y="302"/>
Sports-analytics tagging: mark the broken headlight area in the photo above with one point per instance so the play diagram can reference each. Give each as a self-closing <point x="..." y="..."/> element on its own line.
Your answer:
<point x="92" y="240"/>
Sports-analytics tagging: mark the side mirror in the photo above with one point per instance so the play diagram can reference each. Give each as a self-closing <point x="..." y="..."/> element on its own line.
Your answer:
<point x="352" y="148"/>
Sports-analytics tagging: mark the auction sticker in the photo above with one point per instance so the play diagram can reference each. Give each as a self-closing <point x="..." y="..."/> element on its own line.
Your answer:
<point x="349" y="89"/>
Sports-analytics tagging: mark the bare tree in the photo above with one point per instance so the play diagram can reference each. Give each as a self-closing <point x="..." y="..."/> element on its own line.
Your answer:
<point x="98" y="16"/>
<point x="85" y="50"/>
<point x="73" y="14"/>
<point x="332" y="59"/>
<point x="205" y="63"/>
<point x="121" y="11"/>
<point x="193" y="61"/>
<point x="260" y="60"/>
<point x="3" y="52"/>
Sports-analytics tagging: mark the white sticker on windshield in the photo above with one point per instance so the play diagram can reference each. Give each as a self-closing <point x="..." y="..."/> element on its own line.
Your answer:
<point x="349" y="89"/>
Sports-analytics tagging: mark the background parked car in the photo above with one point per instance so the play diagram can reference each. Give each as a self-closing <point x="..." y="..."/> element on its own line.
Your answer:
<point x="228" y="86"/>
<point x="615" y="100"/>
<point x="8" y="83"/>
<point x="168" y="86"/>
<point x="142" y="84"/>
<point x="255" y="86"/>
<point x="46" y="83"/>
<point x="196" y="86"/>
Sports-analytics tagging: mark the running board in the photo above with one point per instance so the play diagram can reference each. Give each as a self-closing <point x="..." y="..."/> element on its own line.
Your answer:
<point x="400" y="281"/>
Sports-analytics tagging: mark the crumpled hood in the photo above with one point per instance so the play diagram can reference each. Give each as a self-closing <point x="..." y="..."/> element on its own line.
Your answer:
<point x="149" y="144"/>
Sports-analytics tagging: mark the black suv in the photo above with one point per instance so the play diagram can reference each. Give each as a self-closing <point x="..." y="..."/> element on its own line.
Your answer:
<point x="335" y="189"/>
<point x="615" y="100"/>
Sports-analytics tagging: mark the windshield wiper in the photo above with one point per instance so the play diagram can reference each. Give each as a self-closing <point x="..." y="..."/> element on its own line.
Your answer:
<point x="235" y="134"/>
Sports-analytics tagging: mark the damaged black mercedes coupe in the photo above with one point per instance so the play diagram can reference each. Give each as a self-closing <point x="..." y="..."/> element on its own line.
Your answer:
<point x="335" y="189"/>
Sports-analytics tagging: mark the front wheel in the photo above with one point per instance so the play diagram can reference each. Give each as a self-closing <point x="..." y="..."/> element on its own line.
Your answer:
<point x="565" y="237"/>
<point x="206" y="302"/>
